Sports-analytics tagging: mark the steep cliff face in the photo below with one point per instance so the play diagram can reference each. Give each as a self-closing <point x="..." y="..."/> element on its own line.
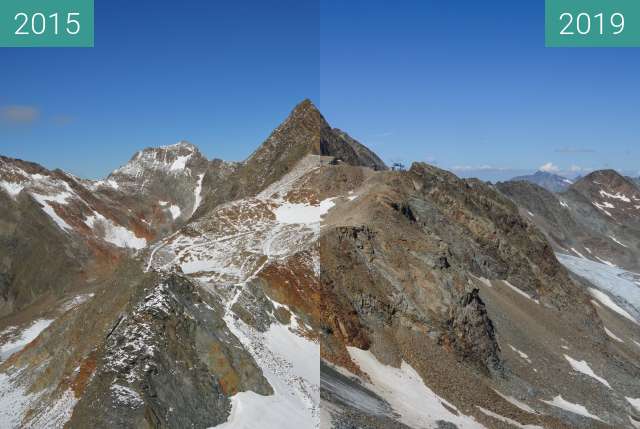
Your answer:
<point x="312" y="287"/>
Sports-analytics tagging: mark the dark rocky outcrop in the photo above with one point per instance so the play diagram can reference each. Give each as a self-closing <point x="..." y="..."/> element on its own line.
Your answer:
<point x="471" y="333"/>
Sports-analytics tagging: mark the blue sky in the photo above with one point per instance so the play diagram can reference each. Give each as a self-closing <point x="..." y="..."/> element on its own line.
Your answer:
<point x="471" y="85"/>
<point x="221" y="74"/>
<point x="468" y="86"/>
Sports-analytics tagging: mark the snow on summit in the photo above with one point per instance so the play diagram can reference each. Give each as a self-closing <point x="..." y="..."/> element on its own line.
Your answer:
<point x="173" y="158"/>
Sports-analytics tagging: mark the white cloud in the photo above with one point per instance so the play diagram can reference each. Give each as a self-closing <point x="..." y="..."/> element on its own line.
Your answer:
<point x="19" y="114"/>
<point x="478" y="168"/>
<point x="549" y="167"/>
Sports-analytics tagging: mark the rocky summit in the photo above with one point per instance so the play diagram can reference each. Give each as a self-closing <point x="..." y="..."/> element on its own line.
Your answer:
<point x="309" y="286"/>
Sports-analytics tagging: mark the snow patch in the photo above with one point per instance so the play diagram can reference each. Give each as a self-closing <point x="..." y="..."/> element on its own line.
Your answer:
<point x="507" y="420"/>
<point x="515" y="402"/>
<point x="303" y="213"/>
<point x="616" y="196"/>
<point x="578" y="253"/>
<point x="123" y="395"/>
<point x="612" y="335"/>
<point x="583" y="367"/>
<point x="635" y="402"/>
<point x="485" y="281"/>
<point x="608" y="302"/>
<point x="13" y="189"/>
<point x="26" y="336"/>
<point x="522" y="354"/>
<point x="405" y="391"/>
<point x="180" y="163"/>
<point x="115" y="234"/>
<point x="611" y="264"/>
<point x="604" y="206"/>
<point x="56" y="415"/>
<point x="14" y="400"/>
<point x="559" y="402"/>
<point x="616" y="240"/>
<point x="60" y="198"/>
<point x="197" y="193"/>
<point x="175" y="211"/>
<point x="515" y="289"/>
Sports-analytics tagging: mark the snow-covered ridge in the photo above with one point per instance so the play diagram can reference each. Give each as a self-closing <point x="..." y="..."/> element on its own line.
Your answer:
<point x="172" y="159"/>
<point x="52" y="192"/>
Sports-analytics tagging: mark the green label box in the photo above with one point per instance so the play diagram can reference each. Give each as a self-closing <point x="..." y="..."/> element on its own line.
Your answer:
<point x="592" y="23"/>
<point x="46" y="23"/>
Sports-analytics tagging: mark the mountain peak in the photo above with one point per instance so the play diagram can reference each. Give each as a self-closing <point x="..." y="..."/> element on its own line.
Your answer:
<point x="550" y="181"/>
<point x="304" y="132"/>
<point x="156" y="164"/>
<point x="182" y="144"/>
<point x="607" y="176"/>
<point x="608" y="180"/>
<point x="180" y="148"/>
<point x="306" y="109"/>
<point x="613" y="194"/>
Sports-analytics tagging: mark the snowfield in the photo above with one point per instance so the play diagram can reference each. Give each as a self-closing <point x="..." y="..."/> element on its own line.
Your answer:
<point x="617" y="289"/>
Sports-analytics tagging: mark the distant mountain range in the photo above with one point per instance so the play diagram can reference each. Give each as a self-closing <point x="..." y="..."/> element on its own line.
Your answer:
<point x="551" y="182"/>
<point x="309" y="286"/>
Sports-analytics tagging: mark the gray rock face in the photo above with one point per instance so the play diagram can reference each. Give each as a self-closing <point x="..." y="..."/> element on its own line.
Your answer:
<point x="170" y="362"/>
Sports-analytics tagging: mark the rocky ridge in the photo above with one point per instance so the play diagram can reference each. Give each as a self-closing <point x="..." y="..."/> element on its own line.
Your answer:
<point x="312" y="287"/>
